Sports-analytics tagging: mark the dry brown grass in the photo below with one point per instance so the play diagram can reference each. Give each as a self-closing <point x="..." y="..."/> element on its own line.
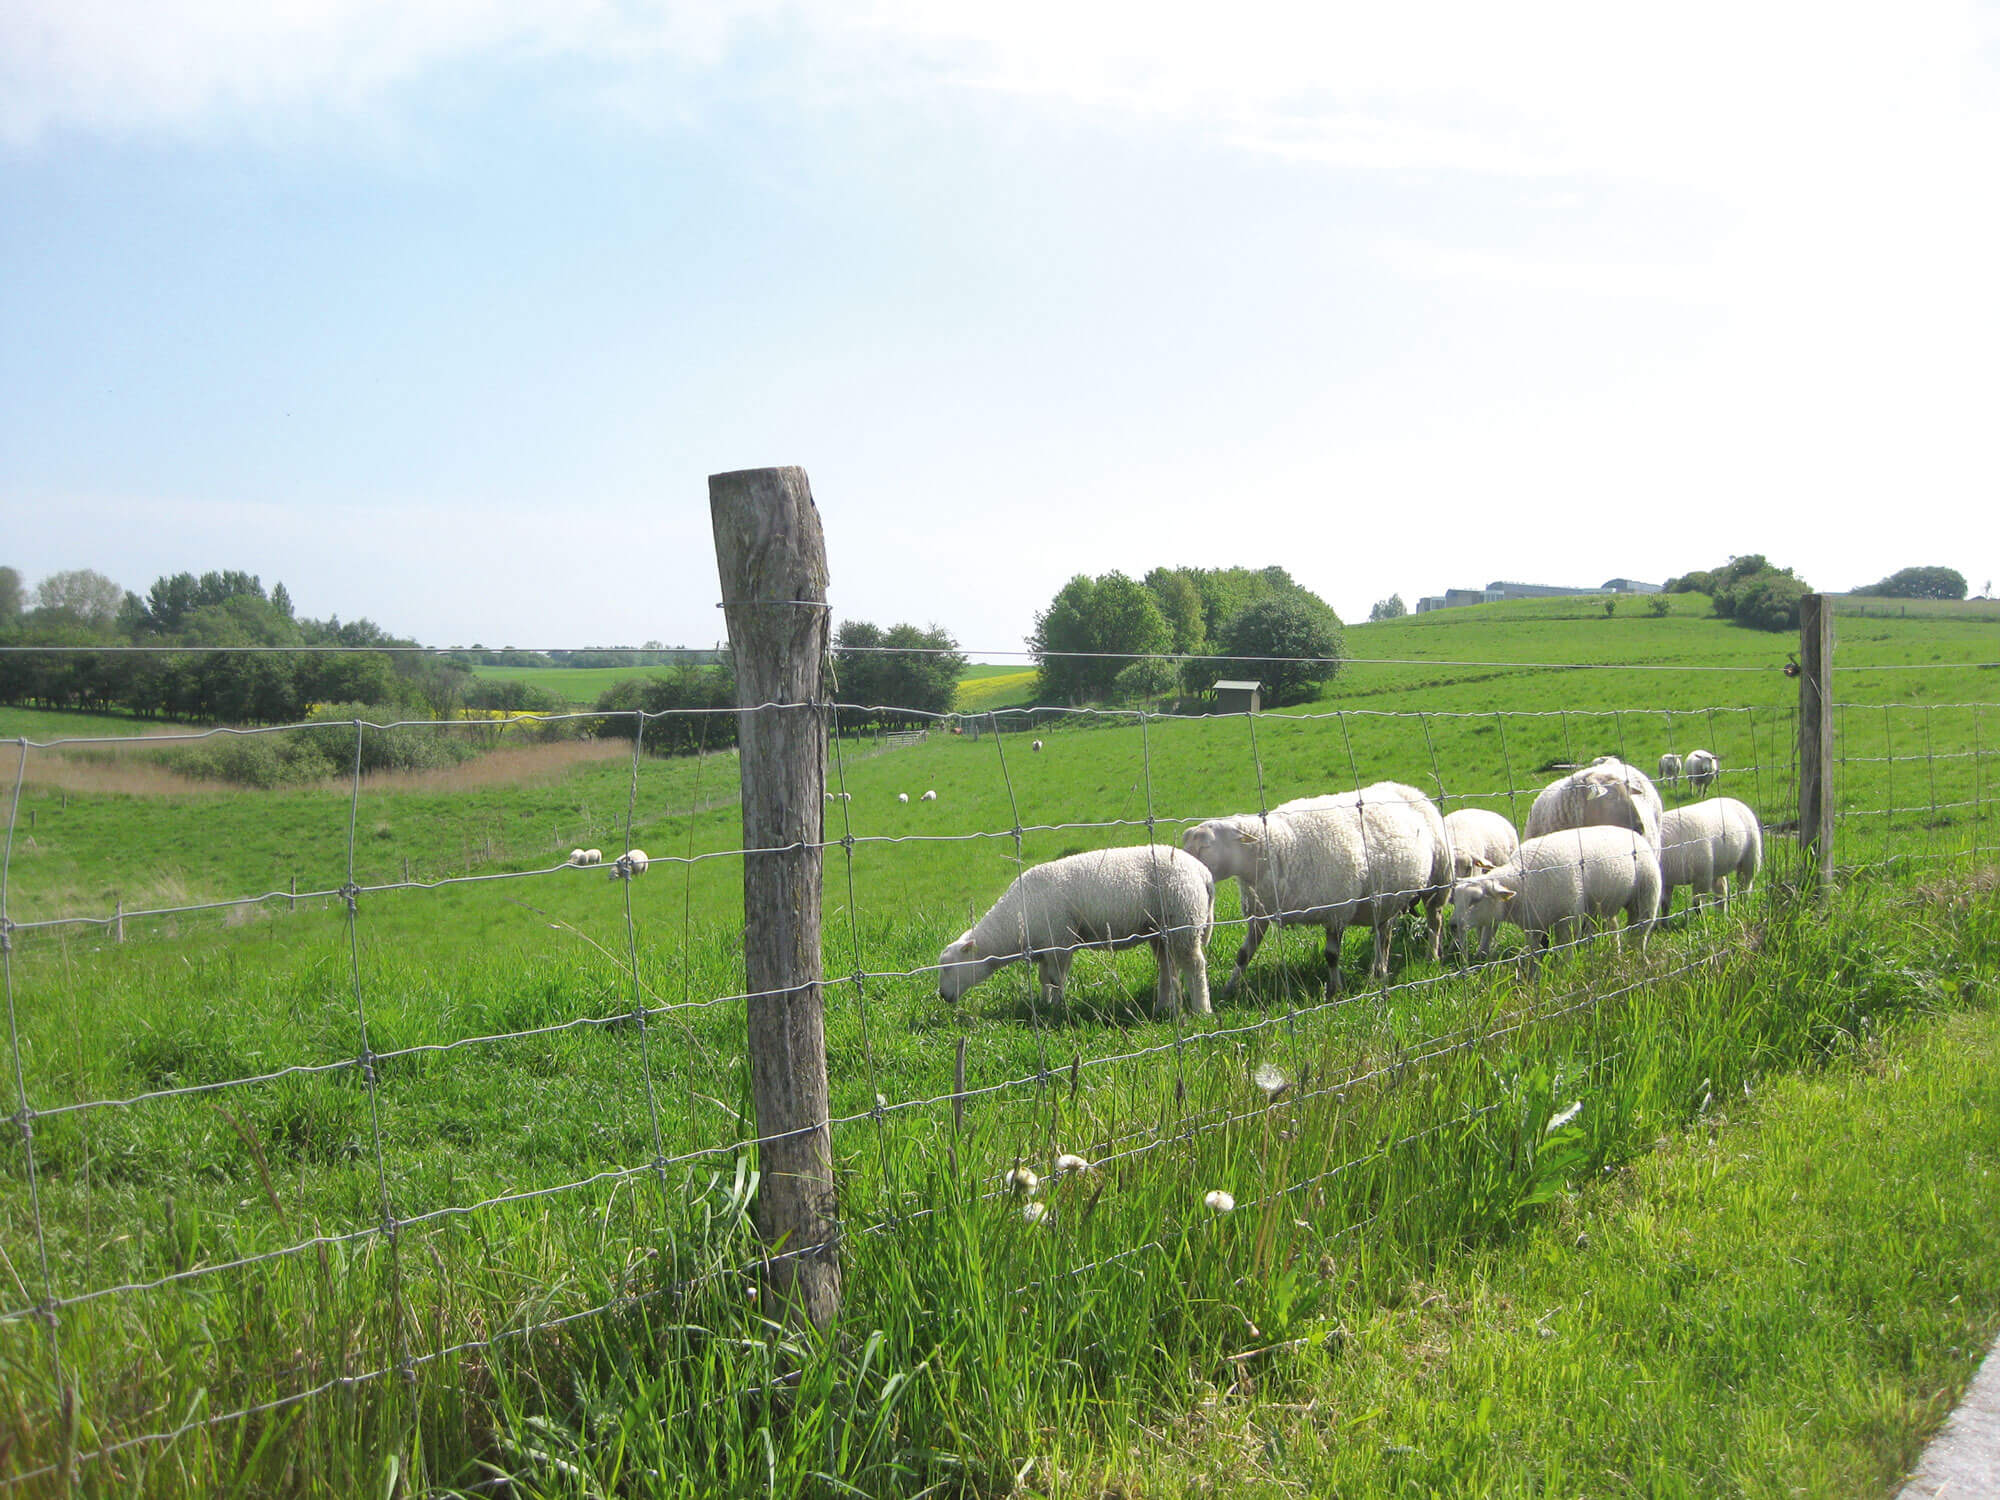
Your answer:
<point x="111" y="771"/>
<point x="511" y="765"/>
<point x="135" y="773"/>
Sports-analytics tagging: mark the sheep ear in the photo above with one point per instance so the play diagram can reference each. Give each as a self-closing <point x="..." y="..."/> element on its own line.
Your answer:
<point x="1481" y="863"/>
<point x="1249" y="835"/>
<point x="1599" y="789"/>
<point x="1504" y="892"/>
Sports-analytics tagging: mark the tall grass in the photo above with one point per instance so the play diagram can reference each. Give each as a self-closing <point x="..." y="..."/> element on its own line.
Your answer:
<point x="540" y="1301"/>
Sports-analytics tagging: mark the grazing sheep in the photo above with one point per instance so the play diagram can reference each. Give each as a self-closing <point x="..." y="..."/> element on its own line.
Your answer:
<point x="1556" y="883"/>
<point x="631" y="862"/>
<point x="1670" y="769"/>
<point x="576" y="856"/>
<point x="928" y="797"/>
<point x="1704" y="844"/>
<point x="1702" y="767"/>
<point x="1327" y="863"/>
<point x="1107" y="898"/>
<point x="1437" y="891"/>
<point x="902" y="796"/>
<point x="1607" y="793"/>
<point x="1480" y="841"/>
<point x="1036" y="745"/>
<point x="591" y="857"/>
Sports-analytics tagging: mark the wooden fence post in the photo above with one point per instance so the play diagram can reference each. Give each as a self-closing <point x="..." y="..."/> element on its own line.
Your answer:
<point x="118" y="921"/>
<point x="1816" y="739"/>
<point x="771" y="557"/>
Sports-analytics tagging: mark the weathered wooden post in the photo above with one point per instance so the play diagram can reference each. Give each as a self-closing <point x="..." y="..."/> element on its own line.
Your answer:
<point x="118" y="921"/>
<point x="295" y="894"/>
<point x="1816" y="739"/>
<point x="771" y="556"/>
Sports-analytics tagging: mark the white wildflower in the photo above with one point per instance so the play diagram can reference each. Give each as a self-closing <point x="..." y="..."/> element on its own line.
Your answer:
<point x="1034" y="1213"/>
<point x="1270" y="1080"/>
<point x="1220" y="1201"/>
<point x="1022" y="1180"/>
<point x="1566" y="1116"/>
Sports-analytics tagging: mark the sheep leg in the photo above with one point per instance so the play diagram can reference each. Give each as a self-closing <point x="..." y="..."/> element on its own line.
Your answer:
<point x="1335" y="931"/>
<point x="1196" y="981"/>
<point x="1054" y="969"/>
<point x="1164" y="983"/>
<point x="1379" y="969"/>
<point x="1253" y="935"/>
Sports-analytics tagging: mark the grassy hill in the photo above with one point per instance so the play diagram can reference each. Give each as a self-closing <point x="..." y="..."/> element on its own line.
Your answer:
<point x="539" y="1035"/>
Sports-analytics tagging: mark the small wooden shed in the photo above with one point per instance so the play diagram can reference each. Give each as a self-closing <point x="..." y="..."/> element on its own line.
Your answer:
<point x="1236" y="697"/>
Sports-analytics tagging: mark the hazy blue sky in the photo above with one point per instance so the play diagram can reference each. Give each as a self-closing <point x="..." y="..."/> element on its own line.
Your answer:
<point x="441" y="311"/>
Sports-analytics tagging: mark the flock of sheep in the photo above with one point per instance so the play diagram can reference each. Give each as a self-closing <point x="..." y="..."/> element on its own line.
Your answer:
<point x="1598" y="841"/>
<point x="631" y="862"/>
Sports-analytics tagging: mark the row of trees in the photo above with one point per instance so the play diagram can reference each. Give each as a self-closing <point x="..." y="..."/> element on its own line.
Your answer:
<point x="85" y="609"/>
<point x="1101" y="639"/>
<point x="1920" y="583"/>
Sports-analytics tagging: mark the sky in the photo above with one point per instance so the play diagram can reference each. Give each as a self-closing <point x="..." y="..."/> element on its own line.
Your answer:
<point x="442" y="311"/>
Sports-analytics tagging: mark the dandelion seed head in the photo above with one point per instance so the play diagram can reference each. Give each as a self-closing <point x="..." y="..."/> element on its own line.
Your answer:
<point x="1270" y="1080"/>
<point x="1220" y="1201"/>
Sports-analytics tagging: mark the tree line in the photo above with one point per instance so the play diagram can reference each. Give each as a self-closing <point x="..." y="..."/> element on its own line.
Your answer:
<point x="1102" y="638"/>
<point x="82" y="609"/>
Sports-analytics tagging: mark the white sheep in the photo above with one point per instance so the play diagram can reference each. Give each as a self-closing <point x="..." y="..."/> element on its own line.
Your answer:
<point x="1556" y="883"/>
<point x="1702" y="767"/>
<point x="1036" y="745"/>
<point x="576" y="856"/>
<point x="591" y="857"/>
<point x="903" y="797"/>
<point x="1106" y="898"/>
<point x="631" y="862"/>
<point x="1328" y="863"/>
<point x="1436" y="891"/>
<point x="1481" y="840"/>
<point x="1670" y="769"/>
<point x="928" y="797"/>
<point x="1704" y="845"/>
<point x="1607" y="793"/>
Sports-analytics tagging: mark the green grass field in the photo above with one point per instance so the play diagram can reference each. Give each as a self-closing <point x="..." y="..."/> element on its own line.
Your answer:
<point x="540" y="1035"/>
<point x="577" y="686"/>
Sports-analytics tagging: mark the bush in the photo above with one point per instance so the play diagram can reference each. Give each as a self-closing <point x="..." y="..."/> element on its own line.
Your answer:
<point x="1285" y="644"/>
<point x="1770" y="601"/>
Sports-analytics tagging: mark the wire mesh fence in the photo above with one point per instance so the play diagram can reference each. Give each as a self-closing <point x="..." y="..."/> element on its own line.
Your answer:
<point x="284" y="1063"/>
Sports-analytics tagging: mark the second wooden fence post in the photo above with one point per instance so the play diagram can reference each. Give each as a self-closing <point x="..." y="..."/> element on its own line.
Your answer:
<point x="771" y="556"/>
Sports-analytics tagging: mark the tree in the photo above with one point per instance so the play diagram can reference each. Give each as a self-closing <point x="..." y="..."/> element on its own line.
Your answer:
<point x="281" y="600"/>
<point x="1180" y="602"/>
<point x="1289" y="647"/>
<point x="1770" y="600"/>
<point x="86" y="597"/>
<point x="1391" y="608"/>
<point x="11" y="595"/>
<point x="1145" y="681"/>
<point x="1113" y="614"/>
<point x="1920" y="583"/>
<point x="881" y="671"/>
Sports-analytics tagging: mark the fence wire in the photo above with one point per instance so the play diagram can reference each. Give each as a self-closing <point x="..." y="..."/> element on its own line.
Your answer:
<point x="1759" y="763"/>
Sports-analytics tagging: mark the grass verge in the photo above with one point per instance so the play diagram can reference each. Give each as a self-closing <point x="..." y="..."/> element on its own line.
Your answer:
<point x="1787" y="1297"/>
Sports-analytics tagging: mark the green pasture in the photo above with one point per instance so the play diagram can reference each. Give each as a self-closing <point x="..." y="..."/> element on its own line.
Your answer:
<point x="558" y="1045"/>
<point x="578" y="686"/>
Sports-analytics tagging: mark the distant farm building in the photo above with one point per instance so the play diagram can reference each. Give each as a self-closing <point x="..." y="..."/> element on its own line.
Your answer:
<point x="1505" y="589"/>
<point x="1237" y="697"/>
